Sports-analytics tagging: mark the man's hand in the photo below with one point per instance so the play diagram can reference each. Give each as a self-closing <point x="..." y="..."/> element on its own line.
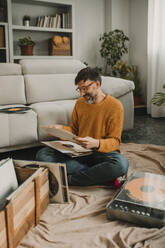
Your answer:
<point x="58" y="126"/>
<point x="88" y="142"/>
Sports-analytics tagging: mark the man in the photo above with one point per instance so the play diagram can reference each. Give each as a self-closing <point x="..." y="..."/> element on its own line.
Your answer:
<point x="97" y="120"/>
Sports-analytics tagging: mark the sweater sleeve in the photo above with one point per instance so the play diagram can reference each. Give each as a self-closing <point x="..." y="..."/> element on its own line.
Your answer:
<point x="73" y="127"/>
<point x="113" y="131"/>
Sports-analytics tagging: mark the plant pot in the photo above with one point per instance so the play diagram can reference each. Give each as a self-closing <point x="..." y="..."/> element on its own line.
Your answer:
<point x="26" y="23"/>
<point x="137" y="100"/>
<point x="27" y="50"/>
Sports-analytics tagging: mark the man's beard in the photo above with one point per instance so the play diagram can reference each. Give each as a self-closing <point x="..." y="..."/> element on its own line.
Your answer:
<point x="89" y="98"/>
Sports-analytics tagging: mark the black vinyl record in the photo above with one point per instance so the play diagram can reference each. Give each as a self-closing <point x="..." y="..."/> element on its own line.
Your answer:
<point x="14" y="110"/>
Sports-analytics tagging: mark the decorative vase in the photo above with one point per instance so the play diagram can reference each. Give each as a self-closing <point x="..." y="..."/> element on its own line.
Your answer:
<point x="27" y="50"/>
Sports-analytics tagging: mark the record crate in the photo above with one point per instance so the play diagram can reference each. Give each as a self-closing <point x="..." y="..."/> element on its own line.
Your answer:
<point x="3" y="230"/>
<point x="24" y="206"/>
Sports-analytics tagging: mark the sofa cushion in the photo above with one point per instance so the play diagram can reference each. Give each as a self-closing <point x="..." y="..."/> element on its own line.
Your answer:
<point x="7" y="69"/>
<point x="12" y="90"/>
<point x="18" y="129"/>
<point x="116" y="87"/>
<point x="58" y="112"/>
<point x="50" y="87"/>
<point x="48" y="66"/>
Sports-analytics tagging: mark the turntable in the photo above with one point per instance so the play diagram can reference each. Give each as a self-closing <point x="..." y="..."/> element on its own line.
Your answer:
<point x="141" y="200"/>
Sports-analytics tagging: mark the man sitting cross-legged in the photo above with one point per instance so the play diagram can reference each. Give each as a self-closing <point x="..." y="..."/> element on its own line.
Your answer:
<point x="97" y="120"/>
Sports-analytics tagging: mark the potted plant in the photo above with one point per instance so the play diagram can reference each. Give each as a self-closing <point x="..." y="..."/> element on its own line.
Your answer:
<point x="26" y="44"/>
<point x="113" y="47"/>
<point x="159" y="98"/>
<point x="26" y="20"/>
<point x="130" y="72"/>
<point x="122" y="69"/>
<point x="137" y="91"/>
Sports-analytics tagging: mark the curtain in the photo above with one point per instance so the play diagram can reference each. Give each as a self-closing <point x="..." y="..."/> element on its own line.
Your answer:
<point x="156" y="54"/>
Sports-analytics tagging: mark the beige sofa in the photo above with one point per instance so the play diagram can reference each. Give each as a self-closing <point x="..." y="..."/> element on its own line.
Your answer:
<point x="47" y="87"/>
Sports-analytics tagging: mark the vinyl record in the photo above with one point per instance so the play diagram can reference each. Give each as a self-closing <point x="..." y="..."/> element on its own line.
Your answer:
<point x="53" y="184"/>
<point x="14" y="110"/>
<point x="145" y="190"/>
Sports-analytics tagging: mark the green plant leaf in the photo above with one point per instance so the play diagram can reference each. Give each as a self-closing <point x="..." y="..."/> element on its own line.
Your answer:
<point x="113" y="46"/>
<point x="159" y="98"/>
<point x="26" y="41"/>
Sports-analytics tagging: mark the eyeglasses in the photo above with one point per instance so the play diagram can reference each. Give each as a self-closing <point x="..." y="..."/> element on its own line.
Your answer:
<point x="84" y="88"/>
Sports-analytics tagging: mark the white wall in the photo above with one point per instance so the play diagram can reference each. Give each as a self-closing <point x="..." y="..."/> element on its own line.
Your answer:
<point x="108" y="15"/>
<point x="138" y="37"/>
<point x="89" y="24"/>
<point x="120" y="15"/>
<point x="117" y="17"/>
<point x="131" y="17"/>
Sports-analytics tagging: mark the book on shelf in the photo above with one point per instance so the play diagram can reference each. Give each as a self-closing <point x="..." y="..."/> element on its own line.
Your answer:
<point x="67" y="145"/>
<point x="60" y="20"/>
<point x="45" y="22"/>
<point x="55" y="21"/>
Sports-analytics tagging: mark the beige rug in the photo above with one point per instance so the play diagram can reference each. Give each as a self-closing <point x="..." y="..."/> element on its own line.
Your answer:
<point x="83" y="222"/>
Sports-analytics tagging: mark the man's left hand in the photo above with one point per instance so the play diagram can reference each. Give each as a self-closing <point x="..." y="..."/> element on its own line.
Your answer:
<point x="88" y="142"/>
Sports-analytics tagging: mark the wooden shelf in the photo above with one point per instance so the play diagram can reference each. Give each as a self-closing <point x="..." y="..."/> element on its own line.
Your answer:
<point x="41" y="29"/>
<point x="3" y="23"/>
<point x="41" y="57"/>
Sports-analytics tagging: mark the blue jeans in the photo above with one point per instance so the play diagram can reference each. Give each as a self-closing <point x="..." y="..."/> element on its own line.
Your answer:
<point x="95" y="169"/>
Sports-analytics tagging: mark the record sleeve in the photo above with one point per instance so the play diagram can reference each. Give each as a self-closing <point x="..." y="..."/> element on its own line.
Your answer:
<point x="58" y="183"/>
<point x="69" y="148"/>
<point x="8" y="180"/>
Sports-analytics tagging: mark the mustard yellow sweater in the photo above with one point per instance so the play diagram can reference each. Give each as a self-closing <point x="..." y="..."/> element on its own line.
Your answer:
<point x="103" y="121"/>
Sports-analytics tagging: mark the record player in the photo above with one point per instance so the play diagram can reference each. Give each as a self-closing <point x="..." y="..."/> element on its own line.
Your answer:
<point x="141" y="200"/>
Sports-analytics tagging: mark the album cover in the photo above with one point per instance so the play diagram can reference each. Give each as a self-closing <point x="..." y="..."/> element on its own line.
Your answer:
<point x="69" y="148"/>
<point x="8" y="180"/>
<point x="59" y="133"/>
<point x="58" y="184"/>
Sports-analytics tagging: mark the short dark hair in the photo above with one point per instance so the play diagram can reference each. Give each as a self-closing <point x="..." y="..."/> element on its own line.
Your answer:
<point x="88" y="73"/>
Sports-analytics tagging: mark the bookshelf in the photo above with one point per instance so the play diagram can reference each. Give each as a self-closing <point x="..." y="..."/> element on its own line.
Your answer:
<point x="47" y="18"/>
<point x="4" y="48"/>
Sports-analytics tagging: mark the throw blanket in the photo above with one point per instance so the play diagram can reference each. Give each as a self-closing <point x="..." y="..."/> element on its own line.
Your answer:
<point x="83" y="222"/>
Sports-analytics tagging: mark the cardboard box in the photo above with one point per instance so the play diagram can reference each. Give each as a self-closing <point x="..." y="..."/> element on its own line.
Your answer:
<point x="24" y="206"/>
<point x="2" y="41"/>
